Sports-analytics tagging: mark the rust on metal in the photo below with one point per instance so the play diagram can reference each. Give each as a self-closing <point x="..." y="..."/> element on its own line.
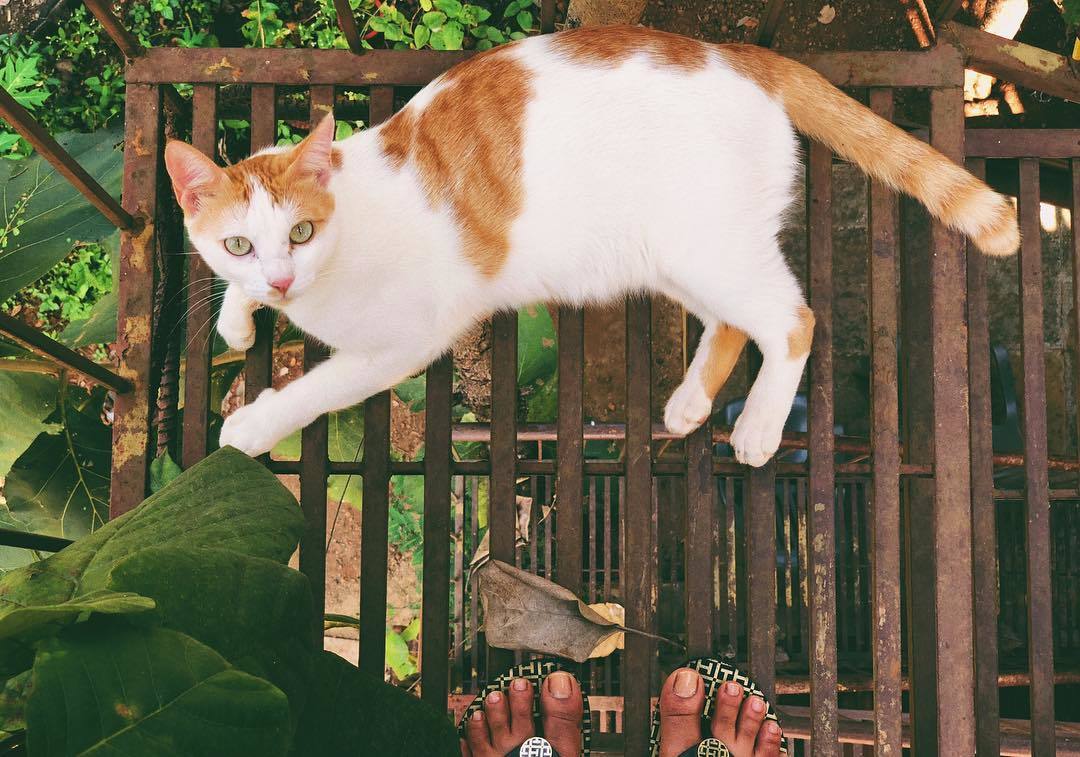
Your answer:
<point x="1037" y="485"/>
<point x="347" y="23"/>
<point x="47" y="347"/>
<point x="885" y="430"/>
<point x="570" y="449"/>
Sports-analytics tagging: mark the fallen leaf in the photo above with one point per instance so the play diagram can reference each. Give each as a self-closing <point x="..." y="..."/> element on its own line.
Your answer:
<point x="748" y="21"/>
<point x="826" y="15"/>
<point x="616" y="613"/>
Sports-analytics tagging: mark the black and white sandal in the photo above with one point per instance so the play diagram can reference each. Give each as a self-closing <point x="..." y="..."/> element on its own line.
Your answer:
<point x="535" y="672"/>
<point x="715" y="673"/>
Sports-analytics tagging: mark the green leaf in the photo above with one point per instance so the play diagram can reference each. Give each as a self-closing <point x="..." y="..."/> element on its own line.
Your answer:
<point x="537" y="353"/>
<point x="495" y="36"/>
<point x="227" y="501"/>
<point x="517" y="35"/>
<point x="1071" y="12"/>
<point x="104" y="689"/>
<point x="425" y="5"/>
<point x="433" y="19"/>
<point x="24" y="621"/>
<point x="412" y="631"/>
<point x="99" y="327"/>
<point x="525" y="20"/>
<point x="413" y="392"/>
<point x="453" y="35"/>
<point x="26" y="401"/>
<point x="421" y="36"/>
<point x="48" y="214"/>
<point x="452" y="8"/>
<point x="484" y="44"/>
<point x="163" y="469"/>
<point x="398" y="658"/>
<point x="254" y="612"/>
<point x="350" y="712"/>
<point x="513" y="8"/>
<point x="345" y="436"/>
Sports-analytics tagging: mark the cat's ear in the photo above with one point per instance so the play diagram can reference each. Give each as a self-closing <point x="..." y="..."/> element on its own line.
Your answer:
<point x="193" y="174"/>
<point x="314" y="156"/>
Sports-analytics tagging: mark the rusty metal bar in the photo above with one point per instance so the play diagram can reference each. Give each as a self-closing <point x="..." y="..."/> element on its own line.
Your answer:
<point x="258" y="362"/>
<point x="761" y="575"/>
<point x="65" y="165"/>
<point x="1014" y="61"/>
<point x="200" y="284"/>
<point x="374" y="536"/>
<point x="1022" y="143"/>
<point x="822" y="513"/>
<point x="937" y="67"/>
<point x="885" y="499"/>
<point x="770" y="20"/>
<point x="954" y="677"/>
<point x="638" y="526"/>
<point x="983" y="507"/>
<point x="313" y="446"/>
<point x="40" y="344"/>
<point x="699" y="530"/>
<point x="434" y="640"/>
<point x="502" y="508"/>
<point x="570" y="449"/>
<point x="1039" y="594"/>
<point x="134" y="322"/>
<point x="347" y="24"/>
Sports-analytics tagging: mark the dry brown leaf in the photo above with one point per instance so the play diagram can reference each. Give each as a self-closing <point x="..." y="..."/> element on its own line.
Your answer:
<point x="529" y="613"/>
<point x="748" y="21"/>
<point x="826" y="14"/>
<point x="616" y="613"/>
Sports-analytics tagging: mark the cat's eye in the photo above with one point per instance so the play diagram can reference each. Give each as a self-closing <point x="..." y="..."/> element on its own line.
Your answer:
<point x="237" y="246"/>
<point x="301" y="232"/>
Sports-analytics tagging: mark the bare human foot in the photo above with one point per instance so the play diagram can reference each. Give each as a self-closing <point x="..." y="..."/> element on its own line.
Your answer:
<point x="505" y="722"/>
<point x="737" y="723"/>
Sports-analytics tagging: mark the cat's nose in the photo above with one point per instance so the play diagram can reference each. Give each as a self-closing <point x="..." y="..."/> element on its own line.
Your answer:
<point x="282" y="283"/>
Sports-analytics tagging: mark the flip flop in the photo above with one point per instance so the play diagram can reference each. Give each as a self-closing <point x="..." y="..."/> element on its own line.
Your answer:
<point x="535" y="672"/>
<point x="715" y="673"/>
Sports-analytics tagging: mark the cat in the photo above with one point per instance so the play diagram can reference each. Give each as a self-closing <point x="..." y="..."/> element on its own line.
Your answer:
<point x="576" y="167"/>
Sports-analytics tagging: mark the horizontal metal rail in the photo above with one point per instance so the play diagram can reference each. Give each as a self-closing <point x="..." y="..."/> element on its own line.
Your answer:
<point x="1022" y="143"/>
<point x="39" y="343"/>
<point x="939" y="67"/>
<point x="25" y="540"/>
<point x="69" y="168"/>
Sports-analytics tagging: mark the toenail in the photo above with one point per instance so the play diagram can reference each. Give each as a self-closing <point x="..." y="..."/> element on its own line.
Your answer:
<point x="478" y="715"/>
<point x="731" y="688"/>
<point x="494" y="697"/>
<point x="520" y="684"/>
<point x="559" y="685"/>
<point x="686" y="682"/>
<point x="773" y="729"/>
<point x="757" y="704"/>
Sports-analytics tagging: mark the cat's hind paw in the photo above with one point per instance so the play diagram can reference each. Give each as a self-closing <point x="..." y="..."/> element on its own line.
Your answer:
<point x="757" y="435"/>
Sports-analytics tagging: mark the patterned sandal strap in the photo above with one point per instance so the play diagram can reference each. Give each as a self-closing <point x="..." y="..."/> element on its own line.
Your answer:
<point x="710" y="747"/>
<point x="715" y="673"/>
<point x="535" y="672"/>
<point x="537" y="746"/>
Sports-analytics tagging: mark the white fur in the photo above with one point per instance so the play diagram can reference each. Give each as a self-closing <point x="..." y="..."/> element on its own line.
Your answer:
<point x="637" y="178"/>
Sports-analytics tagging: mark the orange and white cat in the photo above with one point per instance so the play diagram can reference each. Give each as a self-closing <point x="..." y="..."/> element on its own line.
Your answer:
<point x="576" y="168"/>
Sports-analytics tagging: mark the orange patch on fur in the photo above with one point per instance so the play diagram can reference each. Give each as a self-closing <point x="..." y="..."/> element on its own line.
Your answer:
<point x="611" y="45"/>
<point x="802" y="336"/>
<point x="466" y="147"/>
<point x="724" y="350"/>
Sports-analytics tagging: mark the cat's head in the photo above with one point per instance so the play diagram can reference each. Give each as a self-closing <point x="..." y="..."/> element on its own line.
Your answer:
<point x="264" y="223"/>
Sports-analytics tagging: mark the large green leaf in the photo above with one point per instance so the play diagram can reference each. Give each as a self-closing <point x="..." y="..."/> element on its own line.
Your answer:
<point x="254" y="612"/>
<point x="26" y="401"/>
<point x="537" y="356"/>
<point x="107" y="689"/>
<point x="99" y="327"/>
<point x="350" y="712"/>
<point x="43" y="215"/>
<point x="227" y="501"/>
<point x="23" y="619"/>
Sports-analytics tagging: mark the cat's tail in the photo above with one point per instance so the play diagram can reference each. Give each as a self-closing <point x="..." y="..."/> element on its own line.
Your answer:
<point x="822" y="112"/>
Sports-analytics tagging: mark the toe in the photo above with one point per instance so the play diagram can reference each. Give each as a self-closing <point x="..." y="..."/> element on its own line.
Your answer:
<point x="750" y="716"/>
<point x="682" y="700"/>
<point x="726" y="713"/>
<point x="497" y="715"/>
<point x="768" y="740"/>
<point x="521" y="709"/>
<point x="477" y="738"/>
<point x="562" y="709"/>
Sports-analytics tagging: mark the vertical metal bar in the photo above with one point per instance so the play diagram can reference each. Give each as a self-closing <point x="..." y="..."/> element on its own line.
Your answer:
<point x="459" y="579"/>
<point x="821" y="510"/>
<point x="1075" y="216"/>
<point x="638" y="514"/>
<point x="952" y="465"/>
<point x="502" y="510"/>
<point x="843" y="569"/>
<point x="347" y="24"/>
<point x="138" y="282"/>
<point x="547" y="16"/>
<point x="885" y="442"/>
<point x="376" y="514"/>
<point x="200" y="332"/>
<point x="258" y="363"/>
<point x="570" y="448"/>
<point x="594" y="541"/>
<point x="761" y="575"/>
<point x="313" y="445"/>
<point x="732" y="563"/>
<point x="435" y="609"/>
<point x="474" y="601"/>
<point x="700" y="485"/>
<point x="983" y="507"/>
<point x="1037" y="489"/>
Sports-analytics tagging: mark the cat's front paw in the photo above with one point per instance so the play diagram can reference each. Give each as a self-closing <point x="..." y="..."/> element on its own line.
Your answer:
<point x="238" y="332"/>
<point x="687" y="408"/>
<point x="252" y="428"/>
